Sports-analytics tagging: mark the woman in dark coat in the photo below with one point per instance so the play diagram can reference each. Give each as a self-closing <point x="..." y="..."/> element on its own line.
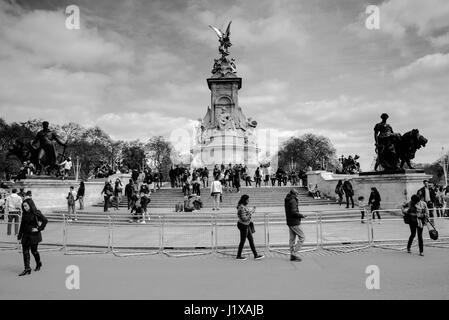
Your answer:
<point x="31" y="225"/>
<point x="374" y="201"/>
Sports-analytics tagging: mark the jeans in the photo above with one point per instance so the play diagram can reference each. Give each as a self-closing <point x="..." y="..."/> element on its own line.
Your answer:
<point x="244" y="234"/>
<point x="81" y="199"/>
<point x="26" y="254"/>
<point x="13" y="216"/>
<point x="71" y="210"/>
<point x="129" y="202"/>
<point x="296" y="231"/>
<point x="348" y="197"/>
<point x="413" y="228"/>
<point x="106" y="203"/>
<point x="216" y="200"/>
<point x="375" y="210"/>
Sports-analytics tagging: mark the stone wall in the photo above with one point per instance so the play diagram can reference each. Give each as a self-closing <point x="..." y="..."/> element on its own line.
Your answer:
<point x="51" y="194"/>
<point x="394" y="189"/>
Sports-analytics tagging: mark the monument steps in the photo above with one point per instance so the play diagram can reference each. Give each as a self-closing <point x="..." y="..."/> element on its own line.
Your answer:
<point x="261" y="197"/>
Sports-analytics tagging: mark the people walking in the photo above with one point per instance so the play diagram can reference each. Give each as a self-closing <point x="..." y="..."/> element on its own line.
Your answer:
<point x="216" y="191"/>
<point x="129" y="191"/>
<point x="13" y="208"/>
<point x="428" y="195"/>
<point x="293" y="218"/>
<point x="258" y="177"/>
<point x="118" y="191"/>
<point x="418" y="215"/>
<point x="339" y="191"/>
<point x="246" y="227"/>
<point x="349" y="192"/>
<point x="71" y="196"/>
<point x="374" y="202"/>
<point x="80" y="194"/>
<point x="108" y="191"/>
<point x="33" y="222"/>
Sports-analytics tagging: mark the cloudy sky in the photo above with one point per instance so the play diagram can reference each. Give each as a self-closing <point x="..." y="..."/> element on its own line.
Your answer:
<point x="138" y="68"/>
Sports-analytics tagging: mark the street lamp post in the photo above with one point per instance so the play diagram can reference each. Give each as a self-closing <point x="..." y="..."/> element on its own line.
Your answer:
<point x="444" y="165"/>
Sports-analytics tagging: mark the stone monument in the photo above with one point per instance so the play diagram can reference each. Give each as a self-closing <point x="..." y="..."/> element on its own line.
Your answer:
<point x="225" y="135"/>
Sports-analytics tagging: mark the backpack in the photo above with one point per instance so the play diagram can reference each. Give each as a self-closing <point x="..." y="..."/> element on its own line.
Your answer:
<point x="70" y="199"/>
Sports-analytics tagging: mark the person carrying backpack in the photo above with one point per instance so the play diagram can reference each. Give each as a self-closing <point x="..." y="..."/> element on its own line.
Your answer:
<point x="71" y="196"/>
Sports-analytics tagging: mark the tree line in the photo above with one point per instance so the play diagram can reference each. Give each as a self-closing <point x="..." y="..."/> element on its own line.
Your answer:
<point x="89" y="147"/>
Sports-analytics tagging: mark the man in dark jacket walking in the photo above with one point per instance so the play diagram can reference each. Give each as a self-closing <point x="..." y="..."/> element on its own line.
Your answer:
<point x="294" y="223"/>
<point x="349" y="192"/>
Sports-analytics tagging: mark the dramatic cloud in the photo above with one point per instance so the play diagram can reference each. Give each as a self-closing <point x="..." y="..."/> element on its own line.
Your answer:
<point x="138" y="68"/>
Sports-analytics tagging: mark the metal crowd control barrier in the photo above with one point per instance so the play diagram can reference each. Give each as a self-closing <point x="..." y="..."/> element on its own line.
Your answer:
<point x="353" y="236"/>
<point x="9" y="242"/>
<point x="389" y="232"/>
<point x="45" y="245"/>
<point x="278" y="233"/>
<point x="76" y="245"/>
<point x="123" y="238"/>
<point x="225" y="226"/>
<point x="201" y="235"/>
<point x="441" y="223"/>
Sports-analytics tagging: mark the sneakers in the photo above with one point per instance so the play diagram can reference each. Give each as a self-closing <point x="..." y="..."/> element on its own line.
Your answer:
<point x="409" y="251"/>
<point x="295" y="258"/>
<point x="421" y="254"/>
<point x="258" y="257"/>
<point x="241" y="258"/>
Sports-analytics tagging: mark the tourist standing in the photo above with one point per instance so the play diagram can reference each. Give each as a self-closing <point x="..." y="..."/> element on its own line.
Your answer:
<point x="71" y="196"/>
<point x="108" y="191"/>
<point x="427" y="194"/>
<point x="80" y="194"/>
<point x="236" y="181"/>
<point x="293" y="217"/>
<point x="339" y="191"/>
<point x="66" y="167"/>
<point x="374" y="202"/>
<point x="439" y="201"/>
<point x="172" y="176"/>
<point x="144" y="200"/>
<point x="13" y="210"/>
<point x="129" y="191"/>
<point x="418" y="214"/>
<point x="30" y="234"/>
<point x="205" y="177"/>
<point x="118" y="191"/>
<point x="216" y="191"/>
<point x="349" y="192"/>
<point x="246" y="227"/>
<point x="362" y="206"/>
<point x="258" y="177"/>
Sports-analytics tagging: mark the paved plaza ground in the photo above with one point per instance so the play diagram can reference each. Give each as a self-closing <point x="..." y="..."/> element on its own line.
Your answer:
<point x="321" y="275"/>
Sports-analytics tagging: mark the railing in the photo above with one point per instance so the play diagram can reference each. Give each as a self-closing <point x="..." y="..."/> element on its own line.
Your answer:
<point x="9" y="241"/>
<point x="200" y="234"/>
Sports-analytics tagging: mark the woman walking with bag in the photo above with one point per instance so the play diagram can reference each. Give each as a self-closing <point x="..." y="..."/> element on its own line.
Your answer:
<point x="246" y="227"/>
<point x="416" y="215"/>
<point x="33" y="222"/>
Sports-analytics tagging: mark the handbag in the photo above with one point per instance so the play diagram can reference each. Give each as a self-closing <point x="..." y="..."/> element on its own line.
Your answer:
<point x="251" y="227"/>
<point x="433" y="233"/>
<point x="406" y="218"/>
